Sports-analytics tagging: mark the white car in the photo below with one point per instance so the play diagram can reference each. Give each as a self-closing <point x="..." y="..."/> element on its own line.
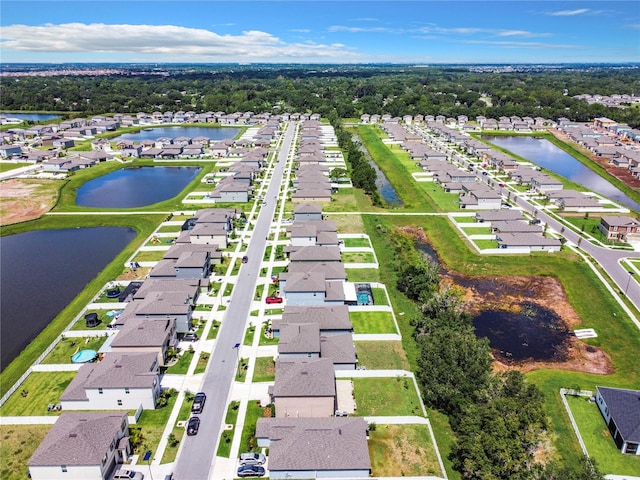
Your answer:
<point x="252" y="458"/>
<point x="128" y="474"/>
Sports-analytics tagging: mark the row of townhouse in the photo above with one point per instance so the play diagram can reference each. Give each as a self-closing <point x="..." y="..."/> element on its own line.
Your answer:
<point x="513" y="123"/>
<point x="615" y="100"/>
<point x="309" y="437"/>
<point x="90" y="438"/>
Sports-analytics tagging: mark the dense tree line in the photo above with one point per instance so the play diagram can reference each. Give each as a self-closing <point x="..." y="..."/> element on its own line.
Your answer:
<point x="363" y="175"/>
<point x="498" y="419"/>
<point x="349" y="91"/>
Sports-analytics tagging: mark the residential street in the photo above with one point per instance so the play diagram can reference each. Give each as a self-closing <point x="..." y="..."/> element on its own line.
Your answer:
<point x="197" y="456"/>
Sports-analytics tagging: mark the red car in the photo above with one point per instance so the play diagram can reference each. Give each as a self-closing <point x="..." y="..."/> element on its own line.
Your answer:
<point x="274" y="300"/>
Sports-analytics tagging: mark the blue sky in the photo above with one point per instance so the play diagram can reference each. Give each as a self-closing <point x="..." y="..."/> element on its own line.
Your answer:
<point x="416" y="32"/>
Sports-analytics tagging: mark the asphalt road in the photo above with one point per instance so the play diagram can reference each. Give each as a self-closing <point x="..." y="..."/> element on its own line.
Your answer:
<point x="197" y="456"/>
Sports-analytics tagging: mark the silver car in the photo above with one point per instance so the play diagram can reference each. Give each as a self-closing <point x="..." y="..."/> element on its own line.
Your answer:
<point x="252" y="458"/>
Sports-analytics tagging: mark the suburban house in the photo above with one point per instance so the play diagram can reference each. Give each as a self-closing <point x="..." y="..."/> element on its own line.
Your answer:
<point x="301" y="448"/>
<point x="207" y="234"/>
<point x="120" y="381"/>
<point x="307" y="211"/>
<point x="479" y="197"/>
<point x="331" y="319"/>
<point x="86" y="445"/>
<point x="514" y="226"/>
<point x="303" y="288"/>
<point x="532" y="241"/>
<point x="501" y="215"/>
<point x="139" y="334"/>
<point x="619" y="227"/>
<point x="232" y="191"/>
<point x="621" y="411"/>
<point x="314" y="253"/>
<point x="304" y="388"/>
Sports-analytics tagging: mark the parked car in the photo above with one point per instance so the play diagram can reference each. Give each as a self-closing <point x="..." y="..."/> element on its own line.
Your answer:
<point x="251" y="471"/>
<point x="193" y="426"/>
<point x="245" y="259"/>
<point x="129" y="474"/>
<point x="190" y="337"/>
<point x="271" y="300"/>
<point x="198" y="402"/>
<point x="534" y="221"/>
<point x="252" y="458"/>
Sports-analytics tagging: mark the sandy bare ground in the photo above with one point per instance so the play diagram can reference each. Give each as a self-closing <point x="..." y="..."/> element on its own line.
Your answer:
<point x="508" y="293"/>
<point x="26" y="199"/>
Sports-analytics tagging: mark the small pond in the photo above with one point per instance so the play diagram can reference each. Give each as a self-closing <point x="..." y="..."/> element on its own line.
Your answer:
<point x="135" y="187"/>
<point x="214" y="133"/>
<point x="42" y="271"/>
<point x="535" y="333"/>
<point x="35" y="117"/>
<point x="387" y="192"/>
<point x="544" y="153"/>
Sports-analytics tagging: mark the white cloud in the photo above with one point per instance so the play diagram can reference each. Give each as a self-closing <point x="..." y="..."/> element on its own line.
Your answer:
<point x="578" y="11"/>
<point x="343" y="28"/>
<point x="300" y="30"/>
<point x="160" y="41"/>
<point x="511" y="44"/>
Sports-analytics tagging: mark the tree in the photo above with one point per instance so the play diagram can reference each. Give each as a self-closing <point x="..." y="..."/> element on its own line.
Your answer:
<point x="453" y="368"/>
<point x="418" y="281"/>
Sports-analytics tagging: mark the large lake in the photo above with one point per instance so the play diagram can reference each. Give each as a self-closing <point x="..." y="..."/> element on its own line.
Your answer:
<point x="36" y="117"/>
<point x="42" y="272"/>
<point x="214" y="133"/>
<point x="135" y="187"/>
<point x="547" y="155"/>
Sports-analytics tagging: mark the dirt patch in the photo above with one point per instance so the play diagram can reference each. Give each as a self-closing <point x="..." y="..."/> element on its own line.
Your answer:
<point x="137" y="274"/>
<point x="26" y="199"/>
<point x="622" y="174"/>
<point x="509" y="293"/>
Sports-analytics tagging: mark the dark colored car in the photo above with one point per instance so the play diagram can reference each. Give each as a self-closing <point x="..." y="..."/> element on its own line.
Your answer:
<point x="190" y="337"/>
<point x="245" y="259"/>
<point x="198" y="402"/>
<point x="270" y="300"/>
<point x="193" y="426"/>
<point x="251" y="471"/>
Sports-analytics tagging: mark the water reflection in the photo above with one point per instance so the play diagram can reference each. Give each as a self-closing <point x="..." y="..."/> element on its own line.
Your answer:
<point x="542" y="152"/>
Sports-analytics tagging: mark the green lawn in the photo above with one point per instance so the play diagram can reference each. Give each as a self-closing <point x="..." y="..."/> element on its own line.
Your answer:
<point x="64" y="349"/>
<point x="264" y="340"/>
<point x="168" y="229"/>
<point x="372" y="322"/>
<point x="149" y="255"/>
<point x="403" y="450"/>
<point x="227" y="290"/>
<point x="486" y="244"/>
<point x="356" y="242"/>
<point x="43" y="388"/>
<point x="362" y="274"/>
<point x="248" y="441"/>
<point x="447" y="202"/>
<point x="342" y="201"/>
<point x="464" y="219"/>
<point x="171" y="451"/>
<point x="102" y="315"/>
<point x="358" y="257"/>
<point x="6" y="166"/>
<point x="386" y="396"/>
<point x="598" y="441"/>
<point x="224" y="448"/>
<point x="379" y="296"/>
<point x="203" y="360"/>
<point x="152" y="424"/>
<point x="18" y="443"/>
<point x="381" y="355"/>
<point x="265" y="370"/>
<point x="249" y="334"/>
<point x="182" y="365"/>
<point x="213" y="331"/>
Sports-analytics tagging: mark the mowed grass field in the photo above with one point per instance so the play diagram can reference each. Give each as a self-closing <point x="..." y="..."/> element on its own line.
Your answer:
<point x="17" y="444"/>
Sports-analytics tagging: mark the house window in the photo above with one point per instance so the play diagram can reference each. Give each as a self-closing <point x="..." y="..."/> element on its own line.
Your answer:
<point x="119" y="403"/>
<point x="63" y="468"/>
<point x="100" y="391"/>
<point x="126" y="390"/>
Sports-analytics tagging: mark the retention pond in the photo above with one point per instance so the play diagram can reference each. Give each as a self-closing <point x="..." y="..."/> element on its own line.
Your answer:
<point x="135" y="187"/>
<point x="42" y="272"/>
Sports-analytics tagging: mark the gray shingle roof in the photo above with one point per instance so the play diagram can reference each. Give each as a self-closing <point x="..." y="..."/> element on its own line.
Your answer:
<point x="116" y="370"/>
<point x="307" y="208"/>
<point x="339" y="348"/>
<point x="144" y="332"/>
<point x="334" y="443"/>
<point x="304" y="378"/>
<point x="330" y="270"/>
<point x="299" y="338"/>
<point x="78" y="438"/>
<point x="329" y="318"/>
<point x="304" y="282"/>
<point x="624" y="407"/>
<point x="315" y="254"/>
